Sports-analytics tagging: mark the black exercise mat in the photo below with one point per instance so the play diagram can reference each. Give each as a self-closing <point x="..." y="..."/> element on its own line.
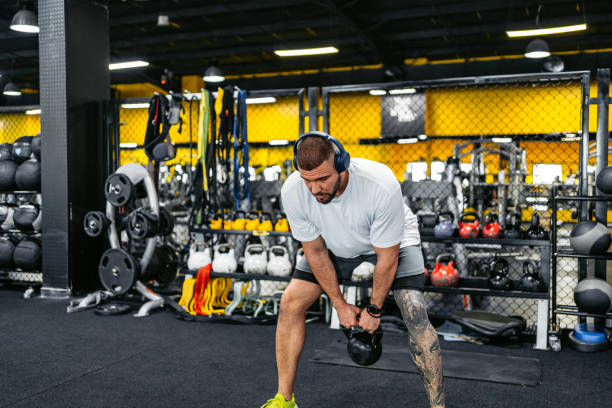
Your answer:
<point x="456" y="364"/>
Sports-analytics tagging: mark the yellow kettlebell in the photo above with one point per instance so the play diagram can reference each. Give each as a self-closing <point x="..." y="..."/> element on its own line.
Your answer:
<point x="265" y="222"/>
<point x="217" y="222"/>
<point x="239" y="220"/>
<point x="228" y="221"/>
<point x="252" y="223"/>
<point x="282" y="225"/>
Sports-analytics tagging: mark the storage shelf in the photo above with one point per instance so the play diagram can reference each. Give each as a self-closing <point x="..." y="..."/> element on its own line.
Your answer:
<point x="20" y="192"/>
<point x="241" y="232"/>
<point x="571" y="254"/>
<point x="566" y="311"/>
<point x="486" y="241"/>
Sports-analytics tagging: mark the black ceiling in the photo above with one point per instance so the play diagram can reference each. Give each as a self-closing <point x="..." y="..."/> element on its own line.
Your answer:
<point x="242" y="35"/>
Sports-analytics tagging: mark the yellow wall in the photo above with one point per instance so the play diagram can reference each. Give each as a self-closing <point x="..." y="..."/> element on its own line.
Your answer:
<point x="15" y="125"/>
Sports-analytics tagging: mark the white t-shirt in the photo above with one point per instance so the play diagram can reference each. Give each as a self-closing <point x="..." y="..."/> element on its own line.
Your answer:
<point x="369" y="213"/>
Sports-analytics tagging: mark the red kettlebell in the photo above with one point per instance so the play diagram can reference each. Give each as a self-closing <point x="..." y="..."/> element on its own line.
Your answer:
<point x="444" y="275"/>
<point x="491" y="228"/>
<point x="469" y="228"/>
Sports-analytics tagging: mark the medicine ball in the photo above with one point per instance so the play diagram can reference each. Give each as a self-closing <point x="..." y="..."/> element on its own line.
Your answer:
<point x="6" y="151"/>
<point x="28" y="255"/>
<point x="22" y="149"/>
<point x="27" y="217"/>
<point x="27" y="176"/>
<point x="590" y="238"/>
<point x="6" y="217"/>
<point x="604" y="180"/>
<point x="593" y="295"/>
<point x="8" y="168"/>
<point x="7" y="248"/>
<point x="36" y="145"/>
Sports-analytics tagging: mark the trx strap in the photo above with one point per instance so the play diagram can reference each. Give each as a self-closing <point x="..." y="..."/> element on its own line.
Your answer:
<point x="158" y="129"/>
<point x="224" y="108"/>
<point x="241" y="152"/>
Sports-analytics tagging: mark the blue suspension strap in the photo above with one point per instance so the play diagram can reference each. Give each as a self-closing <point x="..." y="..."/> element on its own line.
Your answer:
<point x="241" y="151"/>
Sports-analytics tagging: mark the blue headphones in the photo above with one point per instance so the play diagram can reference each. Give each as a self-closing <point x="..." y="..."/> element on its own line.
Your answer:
<point x="342" y="159"/>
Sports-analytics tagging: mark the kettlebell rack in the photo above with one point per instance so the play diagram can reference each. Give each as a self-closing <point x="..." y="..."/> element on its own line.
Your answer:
<point x="557" y="252"/>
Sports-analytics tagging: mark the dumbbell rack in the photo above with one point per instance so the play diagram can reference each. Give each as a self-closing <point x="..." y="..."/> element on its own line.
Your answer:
<point x="569" y="253"/>
<point x="15" y="275"/>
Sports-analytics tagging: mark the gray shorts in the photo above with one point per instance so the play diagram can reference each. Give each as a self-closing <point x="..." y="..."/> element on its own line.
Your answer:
<point x="409" y="273"/>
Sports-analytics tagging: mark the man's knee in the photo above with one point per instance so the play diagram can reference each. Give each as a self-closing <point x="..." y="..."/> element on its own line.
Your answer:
<point x="414" y="311"/>
<point x="295" y="301"/>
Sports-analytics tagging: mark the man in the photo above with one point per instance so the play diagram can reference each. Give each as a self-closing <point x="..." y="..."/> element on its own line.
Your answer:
<point x="346" y="211"/>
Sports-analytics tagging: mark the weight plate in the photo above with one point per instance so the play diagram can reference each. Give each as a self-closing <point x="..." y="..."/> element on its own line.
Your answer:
<point x="117" y="270"/>
<point x="142" y="224"/>
<point x="111" y="309"/>
<point x="168" y="265"/>
<point x="118" y="189"/>
<point x="94" y="223"/>
<point x="166" y="222"/>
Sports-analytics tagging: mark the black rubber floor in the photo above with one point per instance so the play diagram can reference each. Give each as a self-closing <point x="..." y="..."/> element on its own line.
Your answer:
<point x="52" y="359"/>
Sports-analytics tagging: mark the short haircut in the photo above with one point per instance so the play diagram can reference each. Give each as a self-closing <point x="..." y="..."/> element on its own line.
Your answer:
<point x="313" y="151"/>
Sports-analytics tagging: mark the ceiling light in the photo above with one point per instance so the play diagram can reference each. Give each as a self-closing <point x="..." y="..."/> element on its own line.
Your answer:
<point x="11" y="89"/>
<point x="407" y="141"/>
<point x="135" y="105"/>
<point x="537" y="49"/>
<point x="306" y="51"/>
<point x="554" y="64"/>
<point x="33" y="112"/>
<point x="265" y="99"/>
<point x="278" y="142"/>
<point x="25" y="21"/>
<point x="128" y="145"/>
<point x="127" y="64"/>
<point x="422" y="137"/>
<point x="213" y="74"/>
<point x="402" y="91"/>
<point x="547" y="31"/>
<point x="502" y="140"/>
<point x="377" y="92"/>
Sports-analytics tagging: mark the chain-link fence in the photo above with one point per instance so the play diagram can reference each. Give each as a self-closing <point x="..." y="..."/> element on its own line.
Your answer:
<point x="493" y="147"/>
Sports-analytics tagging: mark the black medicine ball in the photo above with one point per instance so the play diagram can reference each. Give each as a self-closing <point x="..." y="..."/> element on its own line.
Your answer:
<point x="590" y="238"/>
<point x="604" y="180"/>
<point x="28" y="255"/>
<point x="22" y="149"/>
<point x="6" y="151"/>
<point x="27" y="217"/>
<point x="8" y="169"/>
<point x="593" y="295"/>
<point x="36" y="145"/>
<point x="27" y="176"/>
<point x="7" y="248"/>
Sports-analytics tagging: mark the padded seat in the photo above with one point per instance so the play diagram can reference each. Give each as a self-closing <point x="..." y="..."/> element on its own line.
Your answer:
<point x="490" y="324"/>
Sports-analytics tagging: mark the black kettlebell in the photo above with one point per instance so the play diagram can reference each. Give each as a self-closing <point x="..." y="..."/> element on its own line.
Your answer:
<point x="531" y="280"/>
<point x="427" y="223"/>
<point x="363" y="347"/>
<point x="499" y="279"/>
<point x="513" y="225"/>
<point x="535" y="231"/>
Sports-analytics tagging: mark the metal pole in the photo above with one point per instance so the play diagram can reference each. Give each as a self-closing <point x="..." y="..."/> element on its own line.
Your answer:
<point x="603" y="135"/>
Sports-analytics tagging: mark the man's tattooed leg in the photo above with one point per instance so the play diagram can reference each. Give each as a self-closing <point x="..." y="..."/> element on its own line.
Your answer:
<point x="424" y="344"/>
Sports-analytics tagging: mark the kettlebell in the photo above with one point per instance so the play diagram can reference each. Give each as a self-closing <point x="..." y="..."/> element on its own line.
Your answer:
<point x="444" y="227"/>
<point x="444" y="275"/>
<point x="252" y="223"/>
<point x="239" y="220"/>
<point x="255" y="259"/>
<point x="363" y="347"/>
<point x="282" y="225"/>
<point x="217" y="221"/>
<point x="513" y="225"/>
<point x="228" y="221"/>
<point x="427" y="223"/>
<point x="491" y="228"/>
<point x="531" y="280"/>
<point x="469" y="229"/>
<point x="199" y="256"/>
<point x="299" y="255"/>
<point x="535" y="231"/>
<point x="499" y="279"/>
<point x="279" y="263"/>
<point x="225" y="259"/>
<point x="364" y="272"/>
<point x="265" y="222"/>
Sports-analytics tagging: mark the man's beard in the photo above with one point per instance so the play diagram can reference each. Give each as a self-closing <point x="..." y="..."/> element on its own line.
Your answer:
<point x="333" y="193"/>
